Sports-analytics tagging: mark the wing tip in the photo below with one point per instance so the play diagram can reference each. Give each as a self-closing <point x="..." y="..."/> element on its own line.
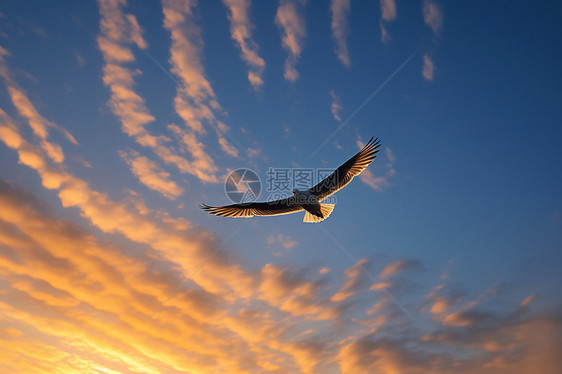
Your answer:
<point x="207" y="208"/>
<point x="373" y="142"/>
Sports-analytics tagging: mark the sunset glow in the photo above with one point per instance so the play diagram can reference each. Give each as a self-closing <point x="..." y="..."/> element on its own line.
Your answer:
<point x="118" y="117"/>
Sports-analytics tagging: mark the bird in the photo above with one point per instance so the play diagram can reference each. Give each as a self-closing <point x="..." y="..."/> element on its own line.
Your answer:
<point x="307" y="200"/>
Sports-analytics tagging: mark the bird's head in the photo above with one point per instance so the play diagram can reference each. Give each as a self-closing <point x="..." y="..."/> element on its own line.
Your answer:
<point x="295" y="191"/>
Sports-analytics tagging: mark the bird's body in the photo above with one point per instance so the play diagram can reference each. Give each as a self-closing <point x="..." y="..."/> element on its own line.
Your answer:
<point x="308" y="200"/>
<point x="315" y="212"/>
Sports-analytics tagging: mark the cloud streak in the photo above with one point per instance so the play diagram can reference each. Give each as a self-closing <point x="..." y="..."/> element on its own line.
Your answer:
<point x="38" y="124"/>
<point x="241" y="32"/>
<point x="432" y="16"/>
<point x="388" y="14"/>
<point x="340" y="29"/>
<point x="150" y="174"/>
<point x="428" y="68"/>
<point x="336" y="106"/>
<point x="119" y="31"/>
<point x="290" y="21"/>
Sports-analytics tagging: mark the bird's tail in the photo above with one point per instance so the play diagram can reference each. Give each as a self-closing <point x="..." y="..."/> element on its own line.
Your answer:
<point x="326" y="210"/>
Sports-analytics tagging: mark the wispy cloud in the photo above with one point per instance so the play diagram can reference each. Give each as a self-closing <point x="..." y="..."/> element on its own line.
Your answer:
<point x="388" y="14"/>
<point x="38" y="124"/>
<point x="398" y="267"/>
<point x="119" y="32"/>
<point x="354" y="281"/>
<point x="291" y="23"/>
<point x="195" y="99"/>
<point x="428" y="68"/>
<point x="286" y="241"/>
<point x="151" y="175"/>
<point x="336" y="105"/>
<point x="528" y="300"/>
<point x="241" y="31"/>
<point x="340" y="28"/>
<point x="432" y="16"/>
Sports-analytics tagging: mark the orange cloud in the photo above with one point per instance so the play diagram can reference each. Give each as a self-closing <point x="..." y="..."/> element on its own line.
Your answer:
<point x="336" y="106"/>
<point x="286" y="241"/>
<point x="398" y="267"/>
<point x="340" y="27"/>
<point x="388" y="14"/>
<point x="290" y="21"/>
<point x="432" y="16"/>
<point x="528" y="300"/>
<point x="195" y="99"/>
<point x="38" y="124"/>
<point x="428" y="68"/>
<point x="240" y="31"/>
<point x="151" y="175"/>
<point x="118" y="31"/>
<point x="114" y="278"/>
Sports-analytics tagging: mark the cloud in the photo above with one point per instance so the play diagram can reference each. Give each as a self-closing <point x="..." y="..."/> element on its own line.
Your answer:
<point x="528" y="300"/>
<point x="116" y="291"/>
<point x="290" y="21"/>
<point x="398" y="267"/>
<point x="486" y="349"/>
<point x="195" y="99"/>
<point x="70" y="295"/>
<point x="428" y="68"/>
<point x="432" y="16"/>
<point x="388" y="14"/>
<point x="118" y="32"/>
<point x="388" y="10"/>
<point x="286" y="241"/>
<point x="241" y="31"/>
<point x="151" y="175"/>
<point x="292" y="292"/>
<point x="385" y="36"/>
<point x="336" y="105"/>
<point x="355" y="281"/>
<point x="340" y="28"/>
<point x="38" y="124"/>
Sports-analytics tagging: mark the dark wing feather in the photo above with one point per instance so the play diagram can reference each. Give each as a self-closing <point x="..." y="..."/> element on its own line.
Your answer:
<point x="274" y="208"/>
<point x="345" y="173"/>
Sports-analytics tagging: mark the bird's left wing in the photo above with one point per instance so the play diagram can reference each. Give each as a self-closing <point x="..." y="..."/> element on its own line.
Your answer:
<point x="345" y="173"/>
<point x="273" y="208"/>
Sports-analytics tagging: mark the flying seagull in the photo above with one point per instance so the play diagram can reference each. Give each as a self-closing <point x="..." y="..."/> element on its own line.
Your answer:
<point x="310" y="199"/>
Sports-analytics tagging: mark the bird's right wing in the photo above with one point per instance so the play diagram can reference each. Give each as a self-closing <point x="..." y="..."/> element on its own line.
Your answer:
<point x="346" y="172"/>
<point x="273" y="208"/>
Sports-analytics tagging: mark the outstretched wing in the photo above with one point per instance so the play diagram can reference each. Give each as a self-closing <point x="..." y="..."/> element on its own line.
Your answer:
<point x="345" y="173"/>
<point x="274" y="208"/>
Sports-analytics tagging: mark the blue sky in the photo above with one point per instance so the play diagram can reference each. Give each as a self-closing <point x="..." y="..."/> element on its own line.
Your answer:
<point x="118" y="117"/>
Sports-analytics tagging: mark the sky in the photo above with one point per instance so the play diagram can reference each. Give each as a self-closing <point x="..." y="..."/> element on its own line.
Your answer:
<point x="118" y="117"/>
